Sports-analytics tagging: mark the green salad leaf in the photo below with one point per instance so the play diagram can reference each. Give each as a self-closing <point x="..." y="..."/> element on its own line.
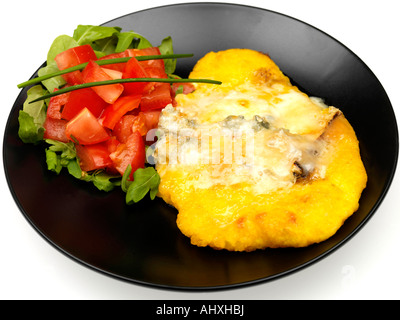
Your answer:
<point x="62" y="155"/>
<point x="144" y="181"/>
<point x="102" y="180"/>
<point x="166" y="47"/>
<point x="87" y="34"/>
<point x="131" y="39"/>
<point x="32" y="116"/>
<point x="52" y="83"/>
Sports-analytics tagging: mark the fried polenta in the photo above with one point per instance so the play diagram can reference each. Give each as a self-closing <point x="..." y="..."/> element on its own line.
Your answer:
<point x="255" y="163"/>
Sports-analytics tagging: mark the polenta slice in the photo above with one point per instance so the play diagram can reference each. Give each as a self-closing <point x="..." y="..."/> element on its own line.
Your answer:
<point x="255" y="163"/>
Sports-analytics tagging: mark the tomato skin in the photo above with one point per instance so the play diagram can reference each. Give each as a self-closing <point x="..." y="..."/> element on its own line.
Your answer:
<point x="132" y="152"/>
<point x="159" y="63"/>
<point x="152" y="51"/>
<point x="72" y="57"/>
<point x="93" y="73"/>
<point x="112" y="144"/>
<point x="113" y="113"/>
<point x="123" y="128"/>
<point x="157" y="99"/>
<point x="86" y="129"/>
<point x="151" y="119"/>
<point x="56" y="104"/>
<point x="154" y="72"/>
<point x="93" y="157"/>
<point x="78" y="99"/>
<point x="134" y="70"/>
<point x="116" y="66"/>
<point x="129" y="124"/>
<point x="55" y="129"/>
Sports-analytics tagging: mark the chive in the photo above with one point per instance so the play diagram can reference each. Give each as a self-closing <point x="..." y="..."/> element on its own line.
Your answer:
<point x="114" y="81"/>
<point x="101" y="63"/>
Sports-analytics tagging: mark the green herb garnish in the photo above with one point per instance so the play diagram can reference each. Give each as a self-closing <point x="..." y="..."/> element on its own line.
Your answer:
<point x="101" y="63"/>
<point x="144" y="181"/>
<point x="114" y="81"/>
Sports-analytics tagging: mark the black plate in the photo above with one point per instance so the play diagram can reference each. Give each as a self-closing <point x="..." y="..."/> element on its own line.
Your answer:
<point x="141" y="243"/>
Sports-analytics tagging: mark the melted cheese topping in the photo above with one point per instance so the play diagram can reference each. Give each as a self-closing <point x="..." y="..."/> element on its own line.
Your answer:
<point x="252" y="131"/>
<point x="236" y="150"/>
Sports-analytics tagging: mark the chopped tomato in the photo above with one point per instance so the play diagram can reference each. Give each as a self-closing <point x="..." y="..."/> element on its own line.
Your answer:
<point x="78" y="99"/>
<point x="115" y="111"/>
<point x="93" y="157"/>
<point x="55" y="129"/>
<point x="72" y="57"/>
<point x="152" y="51"/>
<point x="129" y="124"/>
<point x="154" y="72"/>
<point x="93" y="73"/>
<point x="151" y="118"/>
<point x="157" y="99"/>
<point x="134" y="70"/>
<point x="114" y="74"/>
<point x="112" y="144"/>
<point x="132" y="152"/>
<point x="116" y="66"/>
<point x="86" y="129"/>
<point x="56" y="104"/>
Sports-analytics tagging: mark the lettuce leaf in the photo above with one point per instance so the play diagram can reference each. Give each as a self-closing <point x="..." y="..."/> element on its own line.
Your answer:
<point x="87" y="34"/>
<point x="52" y="83"/>
<point x="167" y="48"/>
<point x="32" y="116"/>
<point x="144" y="181"/>
<point x="62" y="155"/>
<point x="131" y="39"/>
<point x="102" y="180"/>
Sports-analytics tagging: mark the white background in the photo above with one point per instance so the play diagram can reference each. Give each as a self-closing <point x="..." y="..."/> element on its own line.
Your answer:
<point x="367" y="267"/>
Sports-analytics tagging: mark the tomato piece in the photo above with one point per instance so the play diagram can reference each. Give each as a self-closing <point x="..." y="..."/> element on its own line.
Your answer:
<point x="78" y="99"/>
<point x="86" y="129"/>
<point x="94" y="157"/>
<point x="114" y="74"/>
<point x="157" y="99"/>
<point x="56" y="104"/>
<point x="151" y="119"/>
<point x="152" y="51"/>
<point x="72" y="57"/>
<point x="123" y="128"/>
<point x="55" y="129"/>
<point x="93" y="73"/>
<point x="129" y="124"/>
<point x="116" y="66"/>
<point x="134" y="70"/>
<point x="154" y="72"/>
<point x="132" y="152"/>
<point x="115" y="111"/>
<point x="112" y="144"/>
